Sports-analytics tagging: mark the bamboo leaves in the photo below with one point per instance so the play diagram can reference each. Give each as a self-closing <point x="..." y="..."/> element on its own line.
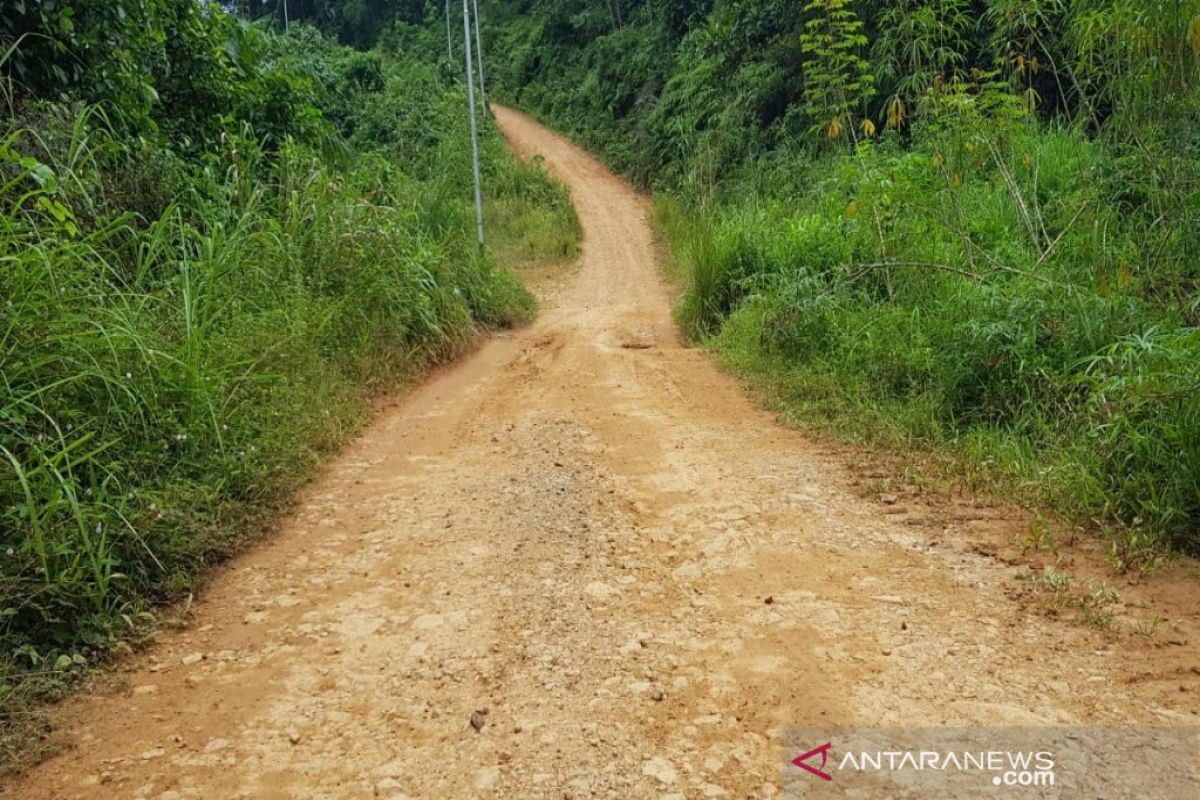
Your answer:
<point x="837" y="78"/>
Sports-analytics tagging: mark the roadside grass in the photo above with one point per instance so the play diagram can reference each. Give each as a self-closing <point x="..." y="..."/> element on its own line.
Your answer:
<point x="168" y="382"/>
<point x="1037" y="372"/>
<point x="1093" y="602"/>
<point x="531" y="219"/>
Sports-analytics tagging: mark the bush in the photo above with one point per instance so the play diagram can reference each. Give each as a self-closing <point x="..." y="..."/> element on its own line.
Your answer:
<point x="189" y="327"/>
<point x="1024" y="343"/>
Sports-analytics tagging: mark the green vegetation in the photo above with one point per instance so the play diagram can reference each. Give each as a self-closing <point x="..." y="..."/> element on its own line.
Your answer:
<point x="966" y="225"/>
<point x="359" y="23"/>
<point x="216" y="242"/>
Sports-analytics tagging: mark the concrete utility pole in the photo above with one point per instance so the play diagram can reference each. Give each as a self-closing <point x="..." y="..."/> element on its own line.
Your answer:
<point x="479" y="52"/>
<point x="286" y="24"/>
<point x="449" y="41"/>
<point x="474" y="131"/>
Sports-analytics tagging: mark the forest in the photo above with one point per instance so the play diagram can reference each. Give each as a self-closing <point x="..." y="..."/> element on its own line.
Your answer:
<point x="218" y="243"/>
<point x="967" y="228"/>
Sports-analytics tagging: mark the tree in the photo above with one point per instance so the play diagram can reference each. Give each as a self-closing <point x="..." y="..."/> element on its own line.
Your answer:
<point x="837" y="79"/>
<point x="918" y="42"/>
<point x="100" y="49"/>
<point x="1025" y="42"/>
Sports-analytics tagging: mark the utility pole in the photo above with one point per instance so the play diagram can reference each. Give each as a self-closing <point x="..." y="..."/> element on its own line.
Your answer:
<point x="286" y="23"/>
<point x="474" y="131"/>
<point x="449" y="41"/>
<point x="479" y="52"/>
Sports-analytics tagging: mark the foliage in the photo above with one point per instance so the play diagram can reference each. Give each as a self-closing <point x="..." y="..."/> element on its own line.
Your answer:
<point x="201" y="291"/>
<point x="67" y="48"/>
<point x="170" y="68"/>
<point x="975" y="314"/>
<point x="920" y="43"/>
<point x="358" y="23"/>
<point x="1006" y="272"/>
<point x="837" y="80"/>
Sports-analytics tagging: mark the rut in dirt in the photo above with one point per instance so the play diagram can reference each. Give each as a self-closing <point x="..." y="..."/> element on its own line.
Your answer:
<point x="581" y="563"/>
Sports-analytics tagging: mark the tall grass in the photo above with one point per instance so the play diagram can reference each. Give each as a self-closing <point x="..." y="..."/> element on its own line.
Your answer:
<point x="994" y="307"/>
<point x="152" y="374"/>
<point x="181" y="344"/>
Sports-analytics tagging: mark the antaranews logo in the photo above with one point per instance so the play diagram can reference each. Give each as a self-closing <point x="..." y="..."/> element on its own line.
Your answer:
<point x="1006" y="767"/>
<point x="1001" y="762"/>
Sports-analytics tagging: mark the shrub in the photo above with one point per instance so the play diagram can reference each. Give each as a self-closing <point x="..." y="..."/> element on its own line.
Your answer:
<point x="188" y="327"/>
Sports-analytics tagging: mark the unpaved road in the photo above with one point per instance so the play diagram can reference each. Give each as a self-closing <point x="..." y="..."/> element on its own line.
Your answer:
<point x="586" y="530"/>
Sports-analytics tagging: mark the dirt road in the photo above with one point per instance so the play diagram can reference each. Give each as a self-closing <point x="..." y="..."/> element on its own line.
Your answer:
<point x="587" y="540"/>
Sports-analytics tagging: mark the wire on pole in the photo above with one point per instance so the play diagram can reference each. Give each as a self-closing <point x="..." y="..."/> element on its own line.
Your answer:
<point x="474" y="130"/>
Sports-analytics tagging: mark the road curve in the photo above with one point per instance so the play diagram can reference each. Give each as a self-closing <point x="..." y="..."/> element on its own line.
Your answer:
<point x="582" y="563"/>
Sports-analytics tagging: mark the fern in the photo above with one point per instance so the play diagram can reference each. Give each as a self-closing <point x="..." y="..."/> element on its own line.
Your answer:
<point x="837" y="78"/>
